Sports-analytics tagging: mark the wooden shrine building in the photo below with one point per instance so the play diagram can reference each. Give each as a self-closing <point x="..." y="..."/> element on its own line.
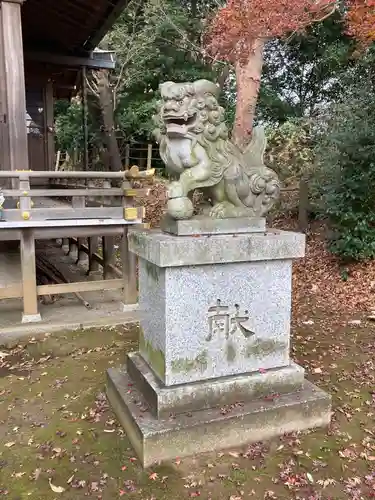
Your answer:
<point x="45" y="48"/>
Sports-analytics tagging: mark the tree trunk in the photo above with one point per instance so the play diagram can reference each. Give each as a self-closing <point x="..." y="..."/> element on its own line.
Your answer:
<point x="106" y="105"/>
<point x="96" y="114"/>
<point x="248" y="75"/>
<point x="223" y="77"/>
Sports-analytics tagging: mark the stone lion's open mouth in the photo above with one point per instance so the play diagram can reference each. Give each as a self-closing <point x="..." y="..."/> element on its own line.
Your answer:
<point x="181" y="121"/>
<point x="179" y="125"/>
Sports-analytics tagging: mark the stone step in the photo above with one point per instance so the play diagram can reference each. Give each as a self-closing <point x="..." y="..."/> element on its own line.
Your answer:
<point x="163" y="401"/>
<point x="162" y="440"/>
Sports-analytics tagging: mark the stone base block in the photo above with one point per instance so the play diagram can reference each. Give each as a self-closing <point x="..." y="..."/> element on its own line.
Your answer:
<point x="31" y="318"/>
<point x="206" y="225"/>
<point x="164" y="401"/>
<point x="161" y="440"/>
<point x="129" y="307"/>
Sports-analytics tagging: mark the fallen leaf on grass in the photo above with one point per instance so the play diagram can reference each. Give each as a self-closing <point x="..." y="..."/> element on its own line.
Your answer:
<point x="56" y="489"/>
<point x="94" y="486"/>
<point x="35" y="475"/>
<point x="153" y="476"/>
<point x="18" y="474"/>
<point x="317" y="370"/>
<point x="9" y="445"/>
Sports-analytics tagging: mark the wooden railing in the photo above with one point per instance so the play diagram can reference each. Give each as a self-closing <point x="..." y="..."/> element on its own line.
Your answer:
<point x="88" y="213"/>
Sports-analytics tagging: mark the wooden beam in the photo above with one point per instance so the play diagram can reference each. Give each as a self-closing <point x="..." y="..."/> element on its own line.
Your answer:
<point x="16" y="291"/>
<point x="68" y="193"/>
<point x="63" y="175"/>
<point x="80" y="286"/>
<point x="103" y="27"/>
<point x="62" y="232"/>
<point x="65" y="214"/>
<point x="69" y="61"/>
<point x="11" y="292"/>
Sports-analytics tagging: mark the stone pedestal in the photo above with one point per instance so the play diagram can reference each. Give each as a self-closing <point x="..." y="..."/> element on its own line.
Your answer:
<point x="213" y="368"/>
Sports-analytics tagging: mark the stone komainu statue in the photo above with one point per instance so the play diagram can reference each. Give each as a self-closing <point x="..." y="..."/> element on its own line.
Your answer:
<point x="194" y="145"/>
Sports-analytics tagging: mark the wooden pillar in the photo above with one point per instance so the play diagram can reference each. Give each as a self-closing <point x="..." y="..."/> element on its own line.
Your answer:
<point x="79" y="202"/>
<point x="28" y="264"/>
<point x="28" y="267"/>
<point x="49" y="139"/>
<point x="129" y="273"/>
<point x="12" y="78"/>
<point x="127" y="155"/>
<point x="85" y="120"/>
<point x="129" y="262"/>
<point x="149" y="156"/>
<point x="93" y="245"/>
<point x="109" y="255"/>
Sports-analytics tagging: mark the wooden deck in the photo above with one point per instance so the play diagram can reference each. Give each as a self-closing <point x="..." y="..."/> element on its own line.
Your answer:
<point x="66" y="312"/>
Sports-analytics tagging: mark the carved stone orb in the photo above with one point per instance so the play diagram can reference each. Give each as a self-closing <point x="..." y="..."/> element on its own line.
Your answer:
<point x="180" y="208"/>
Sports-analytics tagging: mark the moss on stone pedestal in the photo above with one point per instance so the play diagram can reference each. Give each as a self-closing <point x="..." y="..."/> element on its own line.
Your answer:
<point x="231" y="353"/>
<point x="152" y="270"/>
<point x="154" y="357"/>
<point x="135" y="238"/>
<point x="262" y="348"/>
<point x="185" y="365"/>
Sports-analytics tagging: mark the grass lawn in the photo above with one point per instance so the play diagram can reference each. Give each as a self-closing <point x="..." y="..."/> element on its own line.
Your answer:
<point x="61" y="441"/>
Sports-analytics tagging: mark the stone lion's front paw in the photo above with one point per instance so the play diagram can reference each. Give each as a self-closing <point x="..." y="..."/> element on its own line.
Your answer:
<point x="219" y="211"/>
<point x="175" y="190"/>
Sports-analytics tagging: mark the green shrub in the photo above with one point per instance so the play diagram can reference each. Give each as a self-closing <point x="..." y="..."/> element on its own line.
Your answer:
<point x="346" y="174"/>
<point x="290" y="151"/>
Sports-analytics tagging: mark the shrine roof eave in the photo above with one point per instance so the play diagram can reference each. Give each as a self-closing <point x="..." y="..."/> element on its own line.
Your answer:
<point x="68" y="27"/>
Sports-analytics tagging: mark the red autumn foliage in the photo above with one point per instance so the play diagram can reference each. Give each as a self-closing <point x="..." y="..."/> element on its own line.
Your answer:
<point x="238" y="33"/>
<point x="237" y="25"/>
<point x="361" y="20"/>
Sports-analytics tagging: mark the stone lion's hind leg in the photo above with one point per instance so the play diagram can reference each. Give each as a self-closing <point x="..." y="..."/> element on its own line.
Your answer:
<point x="226" y="210"/>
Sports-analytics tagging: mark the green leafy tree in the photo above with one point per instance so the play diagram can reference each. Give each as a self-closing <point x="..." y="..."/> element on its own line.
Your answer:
<point x="307" y="72"/>
<point x="154" y="41"/>
<point x="346" y="159"/>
